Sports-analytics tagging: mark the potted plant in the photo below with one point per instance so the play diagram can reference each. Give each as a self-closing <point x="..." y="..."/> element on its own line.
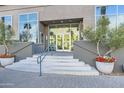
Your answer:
<point x="110" y="39"/>
<point x="105" y="64"/>
<point x="5" y="39"/>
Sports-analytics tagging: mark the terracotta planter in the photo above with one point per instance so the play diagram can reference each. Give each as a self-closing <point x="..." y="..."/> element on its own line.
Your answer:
<point x="105" y="67"/>
<point x="6" y="61"/>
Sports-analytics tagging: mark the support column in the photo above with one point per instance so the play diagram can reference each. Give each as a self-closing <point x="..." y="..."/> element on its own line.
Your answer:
<point x="46" y="36"/>
<point x="81" y="29"/>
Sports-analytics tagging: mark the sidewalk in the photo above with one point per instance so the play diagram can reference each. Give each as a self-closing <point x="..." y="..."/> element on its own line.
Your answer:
<point x="11" y="78"/>
<point x="1" y="69"/>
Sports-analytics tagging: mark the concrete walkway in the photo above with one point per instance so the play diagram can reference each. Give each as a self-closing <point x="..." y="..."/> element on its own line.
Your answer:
<point x="11" y="78"/>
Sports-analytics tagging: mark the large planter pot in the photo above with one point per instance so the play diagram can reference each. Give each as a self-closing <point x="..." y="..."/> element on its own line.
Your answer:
<point x="6" y="61"/>
<point x="105" y="67"/>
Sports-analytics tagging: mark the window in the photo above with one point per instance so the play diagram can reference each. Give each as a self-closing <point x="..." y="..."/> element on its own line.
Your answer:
<point x="103" y="10"/>
<point x="113" y="21"/>
<point x="28" y="27"/>
<point x="111" y="10"/>
<point x="23" y="18"/>
<point x="108" y="10"/>
<point x="120" y="19"/>
<point x="121" y="9"/>
<point x="7" y="20"/>
<point x="98" y="11"/>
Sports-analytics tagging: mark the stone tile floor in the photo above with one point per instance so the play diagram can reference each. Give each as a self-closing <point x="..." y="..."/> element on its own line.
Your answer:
<point x="19" y="79"/>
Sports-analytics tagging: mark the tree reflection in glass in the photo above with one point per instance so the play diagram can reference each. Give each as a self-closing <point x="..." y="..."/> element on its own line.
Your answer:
<point x="26" y="35"/>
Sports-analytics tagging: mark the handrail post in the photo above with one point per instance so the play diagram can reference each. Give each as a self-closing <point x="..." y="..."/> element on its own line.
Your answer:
<point x="41" y="59"/>
<point x="40" y="67"/>
<point x="40" y="70"/>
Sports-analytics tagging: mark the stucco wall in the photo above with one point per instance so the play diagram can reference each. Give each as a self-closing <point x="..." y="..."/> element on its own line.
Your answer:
<point x="67" y="12"/>
<point x="49" y="13"/>
<point x="26" y="52"/>
<point x="25" y="49"/>
<point x="86" y="51"/>
<point x="119" y="54"/>
<point x="1" y="49"/>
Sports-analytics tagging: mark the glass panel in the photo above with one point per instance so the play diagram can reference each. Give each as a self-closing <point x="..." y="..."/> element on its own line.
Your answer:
<point x="66" y="41"/>
<point x="120" y="9"/>
<point x="113" y="22"/>
<point x="33" y="17"/>
<point x="28" y="27"/>
<point x="52" y="41"/>
<point x="98" y="10"/>
<point x="33" y="31"/>
<point x="21" y="31"/>
<point x="97" y="18"/>
<point x="103" y="10"/>
<point x="112" y="9"/>
<point x="52" y="38"/>
<point x="23" y="18"/>
<point x="2" y="19"/>
<point x="71" y="32"/>
<point x="120" y="19"/>
<point x="7" y="20"/>
<point x="59" y="42"/>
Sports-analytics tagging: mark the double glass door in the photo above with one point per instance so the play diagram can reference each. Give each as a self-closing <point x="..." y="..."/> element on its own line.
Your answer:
<point x="63" y="42"/>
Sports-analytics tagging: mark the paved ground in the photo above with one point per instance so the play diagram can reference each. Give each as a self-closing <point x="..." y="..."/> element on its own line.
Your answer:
<point x="11" y="78"/>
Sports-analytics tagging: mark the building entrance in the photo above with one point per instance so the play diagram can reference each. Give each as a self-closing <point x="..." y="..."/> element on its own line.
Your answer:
<point x="62" y="36"/>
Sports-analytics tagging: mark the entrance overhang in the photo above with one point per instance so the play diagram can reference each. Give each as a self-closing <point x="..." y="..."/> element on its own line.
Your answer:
<point x="61" y="21"/>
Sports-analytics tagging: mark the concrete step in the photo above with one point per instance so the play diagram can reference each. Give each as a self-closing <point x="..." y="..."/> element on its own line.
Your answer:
<point x="65" y="64"/>
<point x="35" y="61"/>
<point x="53" y="60"/>
<point x="59" y="57"/>
<point x="56" y="65"/>
<point x="35" y="56"/>
<point x="54" y="57"/>
<point x="60" y="60"/>
<point x="51" y="64"/>
<point x="67" y="68"/>
<point x="55" y="70"/>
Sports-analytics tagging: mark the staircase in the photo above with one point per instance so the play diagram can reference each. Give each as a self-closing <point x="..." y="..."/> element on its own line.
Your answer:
<point x="57" y="64"/>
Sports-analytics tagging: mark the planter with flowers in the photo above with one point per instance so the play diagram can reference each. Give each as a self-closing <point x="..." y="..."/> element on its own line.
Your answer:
<point x="6" y="33"/>
<point x="107" y="38"/>
<point x="105" y="64"/>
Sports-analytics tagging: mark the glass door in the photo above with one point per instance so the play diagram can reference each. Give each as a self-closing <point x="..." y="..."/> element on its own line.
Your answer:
<point x="63" y="42"/>
<point x="67" y="42"/>
<point x="59" y="42"/>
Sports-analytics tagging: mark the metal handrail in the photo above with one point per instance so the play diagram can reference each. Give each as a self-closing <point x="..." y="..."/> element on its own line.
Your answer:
<point x="41" y="58"/>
